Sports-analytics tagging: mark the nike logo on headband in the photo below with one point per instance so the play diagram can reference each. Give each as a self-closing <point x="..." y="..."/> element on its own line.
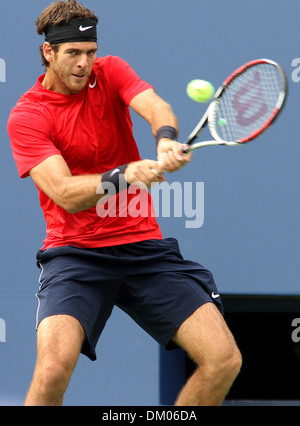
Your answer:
<point x="75" y="30"/>
<point x="81" y="28"/>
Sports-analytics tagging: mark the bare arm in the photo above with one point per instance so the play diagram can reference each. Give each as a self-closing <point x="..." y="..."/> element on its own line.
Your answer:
<point x="155" y="110"/>
<point x="77" y="193"/>
<point x="73" y="193"/>
<point x="159" y="113"/>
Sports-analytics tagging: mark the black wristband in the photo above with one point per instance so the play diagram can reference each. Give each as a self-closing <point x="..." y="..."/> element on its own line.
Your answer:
<point x="115" y="177"/>
<point x="168" y="132"/>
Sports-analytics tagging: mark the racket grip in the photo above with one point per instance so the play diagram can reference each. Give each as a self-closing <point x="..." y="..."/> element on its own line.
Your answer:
<point x="185" y="149"/>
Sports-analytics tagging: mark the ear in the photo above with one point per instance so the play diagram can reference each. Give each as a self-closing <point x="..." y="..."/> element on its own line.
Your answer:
<point x="48" y="52"/>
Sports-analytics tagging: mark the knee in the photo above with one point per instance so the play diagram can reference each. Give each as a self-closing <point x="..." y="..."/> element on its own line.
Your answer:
<point x="221" y="366"/>
<point x="56" y="371"/>
<point x="232" y="363"/>
<point x="225" y="367"/>
<point x="52" y="376"/>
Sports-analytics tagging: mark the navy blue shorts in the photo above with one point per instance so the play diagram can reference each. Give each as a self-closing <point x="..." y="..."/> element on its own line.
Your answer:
<point x="149" y="280"/>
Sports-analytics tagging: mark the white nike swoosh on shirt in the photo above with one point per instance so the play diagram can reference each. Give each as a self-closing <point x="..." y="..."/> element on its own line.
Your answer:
<point x="81" y="28"/>
<point x="214" y="296"/>
<point x="94" y="84"/>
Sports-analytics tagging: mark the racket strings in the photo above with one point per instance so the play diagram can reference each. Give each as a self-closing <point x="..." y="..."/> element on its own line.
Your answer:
<point x="247" y="103"/>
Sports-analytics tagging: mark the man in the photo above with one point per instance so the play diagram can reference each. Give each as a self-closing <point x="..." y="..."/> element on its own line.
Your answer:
<point x="72" y="134"/>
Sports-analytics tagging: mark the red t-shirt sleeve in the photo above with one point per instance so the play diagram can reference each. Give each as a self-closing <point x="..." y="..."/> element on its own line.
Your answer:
<point x="30" y="135"/>
<point x="124" y="80"/>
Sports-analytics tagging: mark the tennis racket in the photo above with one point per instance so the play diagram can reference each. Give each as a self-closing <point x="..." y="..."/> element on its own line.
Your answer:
<point x="244" y="106"/>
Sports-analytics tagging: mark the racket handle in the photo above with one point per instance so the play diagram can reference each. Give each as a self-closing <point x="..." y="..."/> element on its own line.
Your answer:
<point x="185" y="149"/>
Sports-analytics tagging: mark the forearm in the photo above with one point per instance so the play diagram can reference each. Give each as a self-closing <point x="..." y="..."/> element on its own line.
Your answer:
<point x="165" y="129"/>
<point x="162" y="115"/>
<point x="77" y="193"/>
<point x="72" y="193"/>
<point x="155" y="110"/>
<point x="84" y="192"/>
<point x="159" y="113"/>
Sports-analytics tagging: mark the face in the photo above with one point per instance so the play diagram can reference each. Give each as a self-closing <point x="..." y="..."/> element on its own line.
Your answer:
<point x="70" y="67"/>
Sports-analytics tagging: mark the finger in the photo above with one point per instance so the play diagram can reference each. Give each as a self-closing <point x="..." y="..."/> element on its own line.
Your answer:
<point x="172" y="161"/>
<point x="158" y="171"/>
<point x="150" y="171"/>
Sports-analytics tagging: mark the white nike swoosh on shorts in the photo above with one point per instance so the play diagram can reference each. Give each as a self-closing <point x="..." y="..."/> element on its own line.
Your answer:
<point x="214" y="296"/>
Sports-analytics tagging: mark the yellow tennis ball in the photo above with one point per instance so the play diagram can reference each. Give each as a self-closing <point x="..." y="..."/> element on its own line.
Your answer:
<point x="200" y="90"/>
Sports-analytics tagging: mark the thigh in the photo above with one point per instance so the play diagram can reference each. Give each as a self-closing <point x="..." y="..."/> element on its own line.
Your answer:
<point x="205" y="335"/>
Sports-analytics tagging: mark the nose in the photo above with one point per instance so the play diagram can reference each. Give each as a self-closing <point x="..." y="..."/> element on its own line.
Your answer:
<point x="82" y="61"/>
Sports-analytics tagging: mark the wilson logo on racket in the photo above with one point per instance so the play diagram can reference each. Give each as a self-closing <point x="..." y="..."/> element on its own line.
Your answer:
<point x="250" y="107"/>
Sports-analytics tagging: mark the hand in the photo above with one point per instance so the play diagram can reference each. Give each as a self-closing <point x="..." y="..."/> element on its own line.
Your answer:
<point x="171" y="156"/>
<point x="144" y="172"/>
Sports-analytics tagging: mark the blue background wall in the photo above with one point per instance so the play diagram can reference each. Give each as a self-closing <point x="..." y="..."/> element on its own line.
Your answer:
<point x="250" y="236"/>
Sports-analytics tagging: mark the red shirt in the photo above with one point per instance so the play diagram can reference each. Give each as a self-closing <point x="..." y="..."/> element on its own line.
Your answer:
<point x="92" y="130"/>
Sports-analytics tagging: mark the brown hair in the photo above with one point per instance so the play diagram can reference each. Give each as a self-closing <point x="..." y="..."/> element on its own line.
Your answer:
<point x="58" y="12"/>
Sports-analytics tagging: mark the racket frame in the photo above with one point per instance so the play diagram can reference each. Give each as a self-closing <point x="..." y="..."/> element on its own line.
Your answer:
<point x="208" y="117"/>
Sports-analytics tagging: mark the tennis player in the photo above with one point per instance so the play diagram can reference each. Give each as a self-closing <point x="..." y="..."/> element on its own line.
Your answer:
<point x="72" y="134"/>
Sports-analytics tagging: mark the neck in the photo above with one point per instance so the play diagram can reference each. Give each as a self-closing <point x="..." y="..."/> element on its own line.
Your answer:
<point x="52" y="82"/>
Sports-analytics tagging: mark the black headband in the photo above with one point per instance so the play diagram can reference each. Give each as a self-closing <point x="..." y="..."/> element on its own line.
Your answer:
<point x="74" y="30"/>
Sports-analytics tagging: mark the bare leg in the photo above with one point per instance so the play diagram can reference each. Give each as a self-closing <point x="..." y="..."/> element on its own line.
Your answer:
<point x="208" y="341"/>
<point x="59" y="341"/>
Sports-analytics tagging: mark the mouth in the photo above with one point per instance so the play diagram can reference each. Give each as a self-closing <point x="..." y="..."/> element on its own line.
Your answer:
<point x="79" y="76"/>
